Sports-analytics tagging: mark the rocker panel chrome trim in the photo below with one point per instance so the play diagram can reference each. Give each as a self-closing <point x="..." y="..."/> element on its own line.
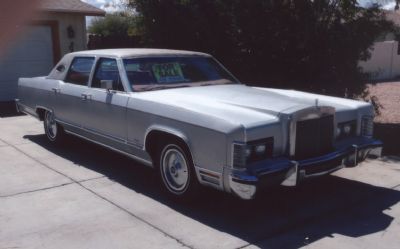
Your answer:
<point x="141" y="160"/>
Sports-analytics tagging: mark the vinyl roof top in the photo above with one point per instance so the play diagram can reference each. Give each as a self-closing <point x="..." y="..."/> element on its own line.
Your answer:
<point x="137" y="52"/>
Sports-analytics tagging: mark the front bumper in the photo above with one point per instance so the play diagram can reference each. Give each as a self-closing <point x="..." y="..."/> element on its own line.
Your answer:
<point x="286" y="172"/>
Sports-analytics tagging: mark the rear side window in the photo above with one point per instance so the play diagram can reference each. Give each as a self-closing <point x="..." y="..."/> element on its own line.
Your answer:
<point x="80" y="70"/>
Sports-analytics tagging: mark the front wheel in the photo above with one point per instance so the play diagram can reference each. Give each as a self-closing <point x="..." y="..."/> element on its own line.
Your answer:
<point x="53" y="130"/>
<point x="177" y="171"/>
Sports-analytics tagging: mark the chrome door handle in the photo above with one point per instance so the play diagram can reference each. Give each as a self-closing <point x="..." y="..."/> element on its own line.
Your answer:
<point x="55" y="90"/>
<point x="86" y="96"/>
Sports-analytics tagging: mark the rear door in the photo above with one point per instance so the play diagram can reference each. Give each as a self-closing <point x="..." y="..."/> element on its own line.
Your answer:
<point x="106" y="113"/>
<point x="73" y="93"/>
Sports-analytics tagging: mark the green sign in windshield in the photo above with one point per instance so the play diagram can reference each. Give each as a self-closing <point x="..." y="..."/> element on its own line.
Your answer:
<point x="168" y="72"/>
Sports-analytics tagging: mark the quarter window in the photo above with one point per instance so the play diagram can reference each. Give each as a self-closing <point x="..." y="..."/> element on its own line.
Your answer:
<point x="107" y="69"/>
<point x="80" y="70"/>
<point x="60" y="68"/>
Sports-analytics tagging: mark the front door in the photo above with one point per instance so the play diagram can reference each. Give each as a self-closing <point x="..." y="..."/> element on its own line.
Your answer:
<point x="106" y="113"/>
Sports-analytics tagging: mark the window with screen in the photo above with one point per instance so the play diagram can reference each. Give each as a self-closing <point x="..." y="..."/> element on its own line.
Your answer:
<point x="80" y="70"/>
<point x="107" y="69"/>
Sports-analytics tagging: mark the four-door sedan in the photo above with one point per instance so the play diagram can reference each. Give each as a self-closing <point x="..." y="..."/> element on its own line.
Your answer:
<point x="185" y="115"/>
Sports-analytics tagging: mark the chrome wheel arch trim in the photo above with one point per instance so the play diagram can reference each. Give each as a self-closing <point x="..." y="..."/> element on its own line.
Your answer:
<point x="37" y="107"/>
<point x="184" y="138"/>
<point x="170" y="131"/>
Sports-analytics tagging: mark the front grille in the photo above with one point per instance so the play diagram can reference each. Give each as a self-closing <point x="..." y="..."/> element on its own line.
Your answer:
<point x="314" y="137"/>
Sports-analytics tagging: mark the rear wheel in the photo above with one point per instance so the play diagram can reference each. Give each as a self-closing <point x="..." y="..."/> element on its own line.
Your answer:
<point x="176" y="170"/>
<point x="53" y="130"/>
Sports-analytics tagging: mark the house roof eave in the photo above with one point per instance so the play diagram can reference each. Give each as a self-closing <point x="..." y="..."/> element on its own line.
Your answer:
<point x="70" y="6"/>
<point x="85" y="13"/>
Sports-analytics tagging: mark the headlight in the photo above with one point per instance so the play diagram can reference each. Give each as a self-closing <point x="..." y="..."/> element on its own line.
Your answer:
<point x="252" y="151"/>
<point x="338" y="131"/>
<point x="260" y="149"/>
<point x="346" y="129"/>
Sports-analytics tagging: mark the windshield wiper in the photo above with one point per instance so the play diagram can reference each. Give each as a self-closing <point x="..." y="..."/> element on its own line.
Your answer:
<point x="161" y="87"/>
<point x="215" y="84"/>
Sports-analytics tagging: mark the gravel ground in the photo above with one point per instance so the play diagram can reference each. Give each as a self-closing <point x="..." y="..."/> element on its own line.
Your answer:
<point x="388" y="94"/>
<point x="387" y="124"/>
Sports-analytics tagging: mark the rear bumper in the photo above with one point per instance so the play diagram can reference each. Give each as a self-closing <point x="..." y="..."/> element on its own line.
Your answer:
<point x="21" y="108"/>
<point x="286" y="172"/>
<point x="17" y="105"/>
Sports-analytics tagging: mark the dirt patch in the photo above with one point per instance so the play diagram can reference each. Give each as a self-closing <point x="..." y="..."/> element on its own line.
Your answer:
<point x="387" y="124"/>
<point x="388" y="95"/>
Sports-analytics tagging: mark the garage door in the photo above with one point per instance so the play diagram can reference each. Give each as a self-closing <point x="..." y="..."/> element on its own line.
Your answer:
<point x="30" y="56"/>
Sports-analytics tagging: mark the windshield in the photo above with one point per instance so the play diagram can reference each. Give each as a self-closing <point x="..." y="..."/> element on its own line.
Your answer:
<point x="168" y="72"/>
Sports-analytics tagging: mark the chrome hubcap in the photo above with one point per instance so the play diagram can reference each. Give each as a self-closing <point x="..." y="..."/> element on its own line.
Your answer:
<point x="175" y="170"/>
<point x="51" y="125"/>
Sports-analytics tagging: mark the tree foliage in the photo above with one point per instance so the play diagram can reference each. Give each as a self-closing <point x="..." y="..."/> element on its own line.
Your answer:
<point x="313" y="45"/>
<point x="119" y="24"/>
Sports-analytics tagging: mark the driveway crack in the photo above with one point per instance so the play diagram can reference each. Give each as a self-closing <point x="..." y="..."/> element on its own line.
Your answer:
<point x="398" y="185"/>
<point x="99" y="196"/>
<point x="36" y="190"/>
<point x="137" y="217"/>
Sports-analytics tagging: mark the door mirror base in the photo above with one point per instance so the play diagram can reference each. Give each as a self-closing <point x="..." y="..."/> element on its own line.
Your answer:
<point x="107" y="84"/>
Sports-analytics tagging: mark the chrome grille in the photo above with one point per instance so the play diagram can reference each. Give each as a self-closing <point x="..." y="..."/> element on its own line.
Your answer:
<point x="314" y="137"/>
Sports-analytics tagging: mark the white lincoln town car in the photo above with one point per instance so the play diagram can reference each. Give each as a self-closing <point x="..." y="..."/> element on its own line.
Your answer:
<point x="189" y="118"/>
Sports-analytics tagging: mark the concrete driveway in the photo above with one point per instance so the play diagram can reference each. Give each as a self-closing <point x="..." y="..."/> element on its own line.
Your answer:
<point x="83" y="196"/>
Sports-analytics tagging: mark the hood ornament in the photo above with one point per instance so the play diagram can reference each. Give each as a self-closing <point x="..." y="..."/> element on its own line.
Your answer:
<point x="316" y="103"/>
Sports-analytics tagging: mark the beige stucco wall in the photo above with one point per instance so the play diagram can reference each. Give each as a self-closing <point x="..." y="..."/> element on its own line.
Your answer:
<point x="77" y="22"/>
<point x="384" y="63"/>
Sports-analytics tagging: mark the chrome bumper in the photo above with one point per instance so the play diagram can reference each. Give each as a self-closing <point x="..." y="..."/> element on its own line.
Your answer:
<point x="286" y="172"/>
<point x="17" y="105"/>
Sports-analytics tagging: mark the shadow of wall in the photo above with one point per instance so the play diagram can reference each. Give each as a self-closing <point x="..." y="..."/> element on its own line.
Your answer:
<point x="390" y="135"/>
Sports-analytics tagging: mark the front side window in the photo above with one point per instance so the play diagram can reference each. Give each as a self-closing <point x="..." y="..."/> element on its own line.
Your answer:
<point x="79" y="71"/>
<point x="107" y="70"/>
<point x="173" y="71"/>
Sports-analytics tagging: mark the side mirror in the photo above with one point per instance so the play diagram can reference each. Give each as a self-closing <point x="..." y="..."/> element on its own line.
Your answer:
<point x="107" y="84"/>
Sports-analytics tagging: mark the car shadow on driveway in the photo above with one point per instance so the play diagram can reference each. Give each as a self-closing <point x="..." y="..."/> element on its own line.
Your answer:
<point x="314" y="210"/>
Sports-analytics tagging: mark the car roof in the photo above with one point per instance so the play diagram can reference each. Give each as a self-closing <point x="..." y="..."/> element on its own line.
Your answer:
<point x="137" y="52"/>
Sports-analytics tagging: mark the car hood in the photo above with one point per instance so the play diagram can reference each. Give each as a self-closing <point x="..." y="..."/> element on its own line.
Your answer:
<point x="241" y="104"/>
